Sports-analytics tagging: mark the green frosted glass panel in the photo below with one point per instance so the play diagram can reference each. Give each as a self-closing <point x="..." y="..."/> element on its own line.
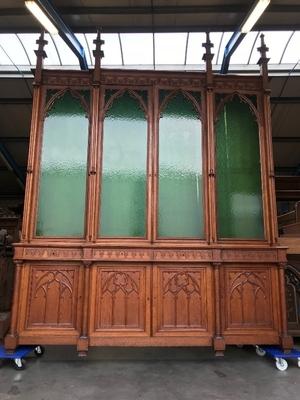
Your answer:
<point x="180" y="209"/>
<point x="239" y="197"/>
<point x="62" y="190"/>
<point x="124" y="166"/>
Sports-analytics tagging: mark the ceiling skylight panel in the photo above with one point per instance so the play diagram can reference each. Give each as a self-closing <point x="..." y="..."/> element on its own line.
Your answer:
<point x="137" y="48"/>
<point x="29" y="42"/>
<point x="195" y="49"/>
<point x="224" y="41"/>
<point x="13" y="48"/>
<point x="66" y="54"/>
<point x="170" y="48"/>
<point x="4" y="59"/>
<point x="292" y="52"/>
<point x="83" y="42"/>
<point x="242" y="53"/>
<point x="52" y="54"/>
<point x="215" y="38"/>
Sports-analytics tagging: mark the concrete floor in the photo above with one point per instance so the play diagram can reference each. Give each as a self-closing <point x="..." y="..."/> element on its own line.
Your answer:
<point x="149" y="374"/>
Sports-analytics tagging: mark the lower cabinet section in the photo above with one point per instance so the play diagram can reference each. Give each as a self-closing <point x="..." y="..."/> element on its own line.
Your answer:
<point x="146" y="304"/>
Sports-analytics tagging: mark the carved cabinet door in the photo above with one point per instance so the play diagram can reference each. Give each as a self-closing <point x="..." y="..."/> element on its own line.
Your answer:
<point x="51" y="298"/>
<point x="250" y="298"/>
<point x="181" y="300"/>
<point x="120" y="300"/>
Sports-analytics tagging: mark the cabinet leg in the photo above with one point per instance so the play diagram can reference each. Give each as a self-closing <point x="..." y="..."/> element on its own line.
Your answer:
<point x="82" y="346"/>
<point x="11" y="343"/>
<point x="219" y="346"/>
<point x="287" y="343"/>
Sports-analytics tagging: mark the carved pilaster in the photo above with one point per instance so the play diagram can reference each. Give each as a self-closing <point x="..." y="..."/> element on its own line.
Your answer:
<point x="286" y="340"/>
<point x="263" y="63"/>
<point x="83" y="341"/>
<point x="11" y="339"/>
<point x="28" y="218"/>
<point x="219" y="342"/>
<point x="210" y="178"/>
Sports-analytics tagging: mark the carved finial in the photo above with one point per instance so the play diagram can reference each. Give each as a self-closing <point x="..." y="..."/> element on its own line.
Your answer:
<point x="40" y="54"/>
<point x="263" y="60"/>
<point x="98" y="54"/>
<point x="208" y="56"/>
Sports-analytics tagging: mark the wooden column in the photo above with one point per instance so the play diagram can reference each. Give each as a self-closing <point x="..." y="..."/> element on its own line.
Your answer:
<point x="94" y="174"/>
<point x="210" y="196"/>
<point x="272" y="209"/>
<point x="83" y="341"/>
<point x="32" y="173"/>
<point x="11" y="339"/>
<point x="218" y="340"/>
<point x="286" y="339"/>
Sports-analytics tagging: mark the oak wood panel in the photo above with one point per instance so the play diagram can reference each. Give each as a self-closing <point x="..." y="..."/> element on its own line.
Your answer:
<point x="181" y="296"/>
<point x="120" y="300"/>
<point x="249" y="298"/>
<point x="53" y="297"/>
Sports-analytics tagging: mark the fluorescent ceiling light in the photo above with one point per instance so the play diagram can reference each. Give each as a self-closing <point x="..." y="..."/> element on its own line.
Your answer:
<point x="254" y="14"/>
<point x="41" y="16"/>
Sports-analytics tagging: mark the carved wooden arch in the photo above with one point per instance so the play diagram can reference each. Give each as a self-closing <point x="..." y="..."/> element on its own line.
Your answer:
<point x="292" y="277"/>
<point x="49" y="277"/>
<point x="243" y="99"/>
<point x="250" y="278"/>
<point x="60" y="94"/>
<point x="132" y="93"/>
<point x="185" y="94"/>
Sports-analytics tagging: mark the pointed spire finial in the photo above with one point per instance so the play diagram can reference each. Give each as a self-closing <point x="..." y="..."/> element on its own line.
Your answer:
<point x="98" y="54"/>
<point x="263" y="61"/>
<point x="208" y="56"/>
<point x="40" y="54"/>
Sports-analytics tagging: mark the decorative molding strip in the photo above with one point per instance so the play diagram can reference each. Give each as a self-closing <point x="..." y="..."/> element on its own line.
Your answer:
<point x="128" y="80"/>
<point x="236" y="85"/>
<point x="67" y="80"/>
<point x="145" y="255"/>
<point x="249" y="255"/>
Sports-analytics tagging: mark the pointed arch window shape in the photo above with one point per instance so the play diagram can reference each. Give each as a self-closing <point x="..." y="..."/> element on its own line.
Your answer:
<point x="63" y="170"/>
<point x="180" y="181"/>
<point x="238" y="171"/>
<point x="123" y="187"/>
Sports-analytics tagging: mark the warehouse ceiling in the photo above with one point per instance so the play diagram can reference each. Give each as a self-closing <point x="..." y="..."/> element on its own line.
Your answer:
<point x="178" y="26"/>
<point x="153" y="15"/>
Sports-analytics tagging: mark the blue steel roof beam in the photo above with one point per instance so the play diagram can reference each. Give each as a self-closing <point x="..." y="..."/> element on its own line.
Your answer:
<point x="12" y="165"/>
<point x="231" y="46"/>
<point x="64" y="31"/>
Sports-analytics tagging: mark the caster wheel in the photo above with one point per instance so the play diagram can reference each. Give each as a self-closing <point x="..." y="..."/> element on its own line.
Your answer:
<point x="281" y="364"/>
<point x="260" y="352"/>
<point x="39" y="351"/>
<point x="19" y="364"/>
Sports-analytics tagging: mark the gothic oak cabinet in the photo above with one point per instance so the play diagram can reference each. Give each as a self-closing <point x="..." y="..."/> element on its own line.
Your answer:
<point x="150" y="216"/>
